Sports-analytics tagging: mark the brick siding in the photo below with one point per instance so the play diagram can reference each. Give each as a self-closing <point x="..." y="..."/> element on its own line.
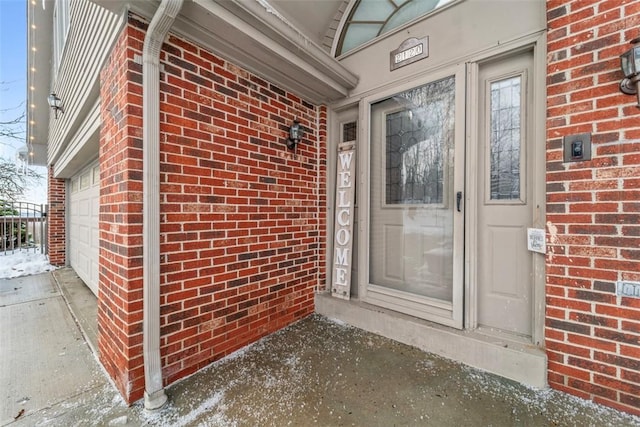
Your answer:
<point x="243" y="226"/>
<point x="56" y="220"/>
<point x="593" y="213"/>
<point x="120" y="222"/>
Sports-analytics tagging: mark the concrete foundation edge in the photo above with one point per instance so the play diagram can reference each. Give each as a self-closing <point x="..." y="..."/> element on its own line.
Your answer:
<point x="525" y="364"/>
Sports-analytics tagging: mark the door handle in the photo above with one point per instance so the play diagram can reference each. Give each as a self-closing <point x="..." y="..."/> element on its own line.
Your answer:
<point x="458" y="200"/>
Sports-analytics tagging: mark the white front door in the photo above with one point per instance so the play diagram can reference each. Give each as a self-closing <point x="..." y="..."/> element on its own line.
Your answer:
<point x="505" y="194"/>
<point x="416" y="174"/>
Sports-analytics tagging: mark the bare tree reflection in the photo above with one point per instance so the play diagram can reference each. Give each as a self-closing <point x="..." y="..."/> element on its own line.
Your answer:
<point x="505" y="139"/>
<point x="418" y="140"/>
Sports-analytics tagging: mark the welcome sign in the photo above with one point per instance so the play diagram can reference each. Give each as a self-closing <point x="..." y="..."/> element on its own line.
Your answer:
<point x="343" y="225"/>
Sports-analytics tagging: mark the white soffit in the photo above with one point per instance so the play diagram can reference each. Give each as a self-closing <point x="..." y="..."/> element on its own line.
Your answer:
<point x="40" y="28"/>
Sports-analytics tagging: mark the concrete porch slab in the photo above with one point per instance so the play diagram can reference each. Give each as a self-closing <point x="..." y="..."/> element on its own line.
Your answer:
<point x="511" y="359"/>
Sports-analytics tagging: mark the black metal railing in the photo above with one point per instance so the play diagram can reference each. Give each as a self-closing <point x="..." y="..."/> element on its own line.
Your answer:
<point x="23" y="226"/>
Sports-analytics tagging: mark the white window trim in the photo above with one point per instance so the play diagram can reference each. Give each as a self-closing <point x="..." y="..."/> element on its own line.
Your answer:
<point x="61" y="18"/>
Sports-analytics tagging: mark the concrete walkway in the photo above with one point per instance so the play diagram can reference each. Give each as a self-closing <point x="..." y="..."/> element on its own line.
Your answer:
<point x="44" y="359"/>
<point x="316" y="372"/>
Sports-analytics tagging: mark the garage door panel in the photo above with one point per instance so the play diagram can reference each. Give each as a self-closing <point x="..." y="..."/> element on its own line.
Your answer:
<point x="82" y="261"/>
<point x="95" y="273"/>
<point x="84" y="208"/>
<point x="95" y="238"/>
<point x="83" y="235"/>
<point x="95" y="205"/>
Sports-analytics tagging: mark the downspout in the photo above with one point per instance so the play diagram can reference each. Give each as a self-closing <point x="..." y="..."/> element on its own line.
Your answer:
<point x="154" y="395"/>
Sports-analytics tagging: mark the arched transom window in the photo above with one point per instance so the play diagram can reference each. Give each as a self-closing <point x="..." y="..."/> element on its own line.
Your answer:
<point x="371" y="18"/>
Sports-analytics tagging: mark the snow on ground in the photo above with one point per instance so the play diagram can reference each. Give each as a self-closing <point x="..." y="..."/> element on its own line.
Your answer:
<point x="23" y="262"/>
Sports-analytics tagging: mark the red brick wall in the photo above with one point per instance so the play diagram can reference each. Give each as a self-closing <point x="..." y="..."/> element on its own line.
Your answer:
<point x="242" y="217"/>
<point x="593" y="208"/>
<point x="56" y="220"/>
<point x="120" y="260"/>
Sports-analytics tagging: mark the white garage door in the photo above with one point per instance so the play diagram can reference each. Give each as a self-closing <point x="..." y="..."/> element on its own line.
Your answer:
<point x="83" y="225"/>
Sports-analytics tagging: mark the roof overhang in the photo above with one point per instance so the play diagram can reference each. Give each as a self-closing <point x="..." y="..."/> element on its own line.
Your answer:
<point x="39" y="30"/>
<point x="256" y="36"/>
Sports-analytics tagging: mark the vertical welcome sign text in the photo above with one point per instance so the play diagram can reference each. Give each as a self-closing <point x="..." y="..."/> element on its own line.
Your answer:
<point x="343" y="225"/>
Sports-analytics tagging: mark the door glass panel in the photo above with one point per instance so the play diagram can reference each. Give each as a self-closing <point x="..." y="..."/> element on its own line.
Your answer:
<point x="505" y="139"/>
<point x="411" y="234"/>
<point x="414" y="165"/>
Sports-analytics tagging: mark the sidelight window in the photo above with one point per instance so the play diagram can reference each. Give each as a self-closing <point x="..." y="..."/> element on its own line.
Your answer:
<point x="505" y="138"/>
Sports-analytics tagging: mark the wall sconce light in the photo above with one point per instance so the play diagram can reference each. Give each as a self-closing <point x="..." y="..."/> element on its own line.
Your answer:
<point x="630" y="64"/>
<point x="55" y="103"/>
<point x="295" y="135"/>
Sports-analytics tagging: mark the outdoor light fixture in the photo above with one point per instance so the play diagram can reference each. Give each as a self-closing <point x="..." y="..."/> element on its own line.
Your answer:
<point x="630" y="64"/>
<point x="55" y="103"/>
<point x="295" y="134"/>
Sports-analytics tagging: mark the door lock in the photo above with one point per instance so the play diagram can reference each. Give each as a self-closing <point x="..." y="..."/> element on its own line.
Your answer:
<point x="458" y="200"/>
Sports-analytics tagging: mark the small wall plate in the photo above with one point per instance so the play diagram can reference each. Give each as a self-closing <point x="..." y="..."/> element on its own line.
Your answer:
<point x="577" y="148"/>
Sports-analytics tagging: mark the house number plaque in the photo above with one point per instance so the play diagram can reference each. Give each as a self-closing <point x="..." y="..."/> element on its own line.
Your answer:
<point x="409" y="51"/>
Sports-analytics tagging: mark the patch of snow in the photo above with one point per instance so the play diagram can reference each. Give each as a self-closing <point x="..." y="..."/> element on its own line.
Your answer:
<point x="205" y="406"/>
<point x="119" y="421"/>
<point x="541" y="400"/>
<point x="338" y="321"/>
<point x="171" y="416"/>
<point x="292" y="361"/>
<point x="427" y="364"/>
<point x="23" y="262"/>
